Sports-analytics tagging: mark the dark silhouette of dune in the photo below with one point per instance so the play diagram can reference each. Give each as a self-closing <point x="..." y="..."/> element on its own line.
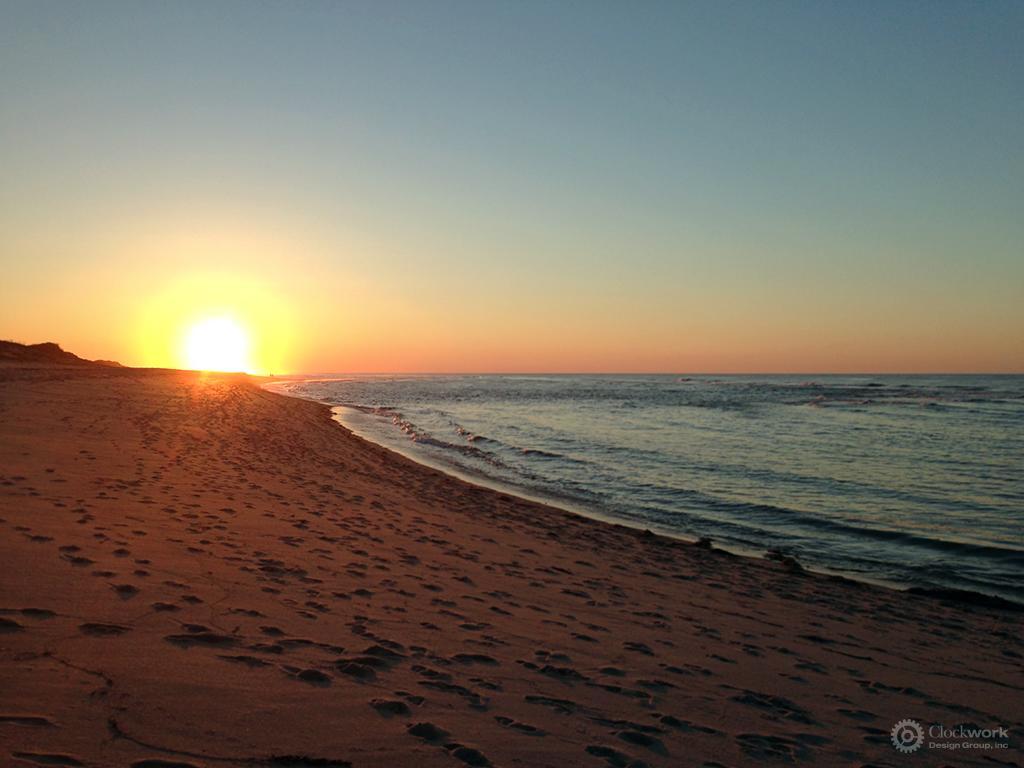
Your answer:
<point x="48" y="352"/>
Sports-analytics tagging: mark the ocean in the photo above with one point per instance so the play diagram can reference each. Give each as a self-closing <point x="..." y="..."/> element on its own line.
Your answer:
<point x="911" y="481"/>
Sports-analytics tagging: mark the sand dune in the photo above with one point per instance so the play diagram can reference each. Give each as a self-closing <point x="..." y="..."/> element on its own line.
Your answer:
<point x="197" y="572"/>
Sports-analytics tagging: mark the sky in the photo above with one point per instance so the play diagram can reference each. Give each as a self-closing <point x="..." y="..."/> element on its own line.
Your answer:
<point x="517" y="186"/>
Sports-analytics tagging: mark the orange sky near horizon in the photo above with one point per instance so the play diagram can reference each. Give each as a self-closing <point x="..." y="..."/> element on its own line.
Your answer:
<point x="394" y="340"/>
<point x="308" y="311"/>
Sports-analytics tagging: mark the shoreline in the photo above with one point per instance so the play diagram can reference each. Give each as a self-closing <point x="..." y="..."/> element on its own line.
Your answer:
<point x="568" y="506"/>
<point x="198" y="570"/>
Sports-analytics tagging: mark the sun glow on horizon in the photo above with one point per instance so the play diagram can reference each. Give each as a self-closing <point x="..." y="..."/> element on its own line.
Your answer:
<point x="217" y="321"/>
<point x="218" y="344"/>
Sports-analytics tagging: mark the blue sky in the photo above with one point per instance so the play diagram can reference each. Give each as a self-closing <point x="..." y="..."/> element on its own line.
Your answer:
<point x="657" y="186"/>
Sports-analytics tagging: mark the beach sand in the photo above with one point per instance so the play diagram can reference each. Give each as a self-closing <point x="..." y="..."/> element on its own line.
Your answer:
<point x="197" y="571"/>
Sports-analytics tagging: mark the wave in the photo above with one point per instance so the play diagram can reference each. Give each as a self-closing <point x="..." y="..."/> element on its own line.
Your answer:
<point x="423" y="437"/>
<point x="470" y="437"/>
<point x="789" y="518"/>
<point x="968" y="597"/>
<point x="539" y="452"/>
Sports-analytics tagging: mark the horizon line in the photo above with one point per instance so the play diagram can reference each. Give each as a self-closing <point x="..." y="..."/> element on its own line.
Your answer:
<point x="639" y="373"/>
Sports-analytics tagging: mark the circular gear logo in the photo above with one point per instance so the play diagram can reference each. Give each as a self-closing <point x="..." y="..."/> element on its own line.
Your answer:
<point x="907" y="736"/>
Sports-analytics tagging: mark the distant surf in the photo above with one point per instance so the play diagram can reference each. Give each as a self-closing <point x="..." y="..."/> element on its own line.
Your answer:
<point x="916" y="481"/>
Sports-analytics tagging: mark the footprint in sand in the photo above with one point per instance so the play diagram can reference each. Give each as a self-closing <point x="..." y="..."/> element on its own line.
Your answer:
<point x="775" y="707"/>
<point x="530" y="730"/>
<point x="355" y="669"/>
<point x="98" y="629"/>
<point x="641" y="739"/>
<point x="313" y="677"/>
<point x="125" y="591"/>
<point x="563" y="706"/>
<point x="468" y="755"/>
<point x="685" y="725"/>
<point x="200" y="637"/>
<point x="390" y="707"/>
<point x="638" y="648"/>
<point x="249" y="661"/>
<point x="412" y="698"/>
<point x="427" y="732"/>
<point x="44" y="758"/>
<point x="613" y="756"/>
<point x="858" y="714"/>
<point x="32" y="721"/>
<point x="475" y="658"/>
<point x="764" y="747"/>
<point x="10" y="625"/>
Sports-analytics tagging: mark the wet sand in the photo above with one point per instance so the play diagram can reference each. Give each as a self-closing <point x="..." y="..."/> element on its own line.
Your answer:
<point x="198" y="572"/>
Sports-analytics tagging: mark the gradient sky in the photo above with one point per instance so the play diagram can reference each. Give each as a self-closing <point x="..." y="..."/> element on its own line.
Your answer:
<point x="491" y="186"/>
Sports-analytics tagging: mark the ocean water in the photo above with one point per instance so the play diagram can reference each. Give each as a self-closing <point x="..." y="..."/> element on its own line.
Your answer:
<point x="907" y="480"/>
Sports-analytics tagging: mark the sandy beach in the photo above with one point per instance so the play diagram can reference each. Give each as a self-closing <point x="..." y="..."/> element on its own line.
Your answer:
<point x="197" y="572"/>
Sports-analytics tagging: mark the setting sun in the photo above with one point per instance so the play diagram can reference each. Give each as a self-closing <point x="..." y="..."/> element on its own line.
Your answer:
<point x="217" y="321"/>
<point x="217" y="344"/>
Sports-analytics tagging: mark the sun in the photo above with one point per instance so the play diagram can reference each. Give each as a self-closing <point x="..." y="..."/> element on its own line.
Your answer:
<point x="217" y="344"/>
<point x="216" y="321"/>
